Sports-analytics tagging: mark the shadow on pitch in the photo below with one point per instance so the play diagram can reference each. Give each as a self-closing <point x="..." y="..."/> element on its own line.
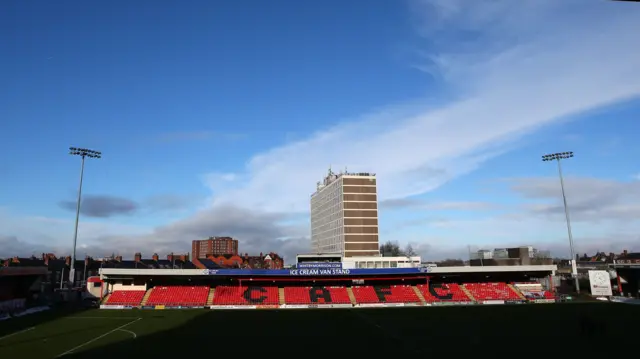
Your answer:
<point x="541" y="330"/>
<point x="18" y="324"/>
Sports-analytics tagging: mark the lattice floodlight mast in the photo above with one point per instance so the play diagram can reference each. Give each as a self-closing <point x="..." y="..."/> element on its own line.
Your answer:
<point x="84" y="153"/>
<point x="558" y="157"/>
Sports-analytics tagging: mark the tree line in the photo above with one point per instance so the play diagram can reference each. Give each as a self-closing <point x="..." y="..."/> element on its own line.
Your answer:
<point x="393" y="249"/>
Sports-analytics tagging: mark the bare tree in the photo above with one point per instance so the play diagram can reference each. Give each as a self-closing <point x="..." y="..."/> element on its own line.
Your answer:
<point x="391" y="249"/>
<point x="450" y="262"/>
<point x="409" y="251"/>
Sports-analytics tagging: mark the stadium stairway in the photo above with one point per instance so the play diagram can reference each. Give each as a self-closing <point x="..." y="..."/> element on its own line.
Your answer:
<point x="519" y="293"/>
<point x="146" y="297"/>
<point x="105" y="298"/>
<point x="466" y="291"/>
<point x="419" y="294"/>
<point x="281" y="296"/>
<point x="212" y="293"/>
<point x="351" y="296"/>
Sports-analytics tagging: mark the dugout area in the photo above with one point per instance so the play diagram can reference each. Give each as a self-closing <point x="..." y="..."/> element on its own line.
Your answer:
<point x="507" y="330"/>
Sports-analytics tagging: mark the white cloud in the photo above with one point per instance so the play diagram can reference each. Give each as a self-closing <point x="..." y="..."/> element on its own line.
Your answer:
<point x="604" y="216"/>
<point x="42" y="234"/>
<point x="417" y="204"/>
<point x="563" y="63"/>
<point x="589" y="199"/>
<point x="536" y="63"/>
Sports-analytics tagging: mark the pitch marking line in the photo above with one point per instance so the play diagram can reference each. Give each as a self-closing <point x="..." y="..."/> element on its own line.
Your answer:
<point x="130" y="332"/>
<point x="16" y="333"/>
<point x="98" y="338"/>
<point x="127" y="318"/>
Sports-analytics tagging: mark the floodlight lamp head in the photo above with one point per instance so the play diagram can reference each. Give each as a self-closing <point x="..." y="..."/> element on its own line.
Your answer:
<point x="557" y="156"/>
<point x="84" y="152"/>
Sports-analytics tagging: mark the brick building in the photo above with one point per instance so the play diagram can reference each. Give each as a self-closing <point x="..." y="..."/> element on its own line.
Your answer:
<point x="214" y="246"/>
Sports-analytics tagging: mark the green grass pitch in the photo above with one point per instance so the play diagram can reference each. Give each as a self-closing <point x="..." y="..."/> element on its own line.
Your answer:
<point x="545" y="329"/>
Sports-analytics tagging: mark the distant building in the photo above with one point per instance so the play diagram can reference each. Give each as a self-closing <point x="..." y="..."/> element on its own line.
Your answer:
<point x="214" y="246"/>
<point x="228" y="261"/>
<point x="344" y="215"/>
<point x="525" y="255"/>
<point x="58" y="267"/>
<point x="365" y="262"/>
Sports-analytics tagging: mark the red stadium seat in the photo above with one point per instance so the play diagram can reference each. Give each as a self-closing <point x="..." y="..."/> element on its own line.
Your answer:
<point x="179" y="296"/>
<point x="339" y="295"/>
<point x="316" y="295"/>
<point x="491" y="291"/>
<point x="533" y="290"/>
<point x="126" y="297"/>
<point x="297" y="295"/>
<point x="385" y="294"/>
<point x="437" y="292"/>
<point x="255" y="295"/>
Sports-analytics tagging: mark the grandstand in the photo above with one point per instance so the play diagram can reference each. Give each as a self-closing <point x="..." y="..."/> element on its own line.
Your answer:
<point x="321" y="287"/>
<point x="18" y="286"/>
<point x="364" y="296"/>
<point x="627" y="269"/>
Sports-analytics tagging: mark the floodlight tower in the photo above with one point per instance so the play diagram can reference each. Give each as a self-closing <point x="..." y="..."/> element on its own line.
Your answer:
<point x="84" y="153"/>
<point x="558" y="157"/>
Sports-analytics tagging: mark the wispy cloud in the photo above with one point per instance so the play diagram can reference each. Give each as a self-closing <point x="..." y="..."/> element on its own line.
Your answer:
<point x="168" y="202"/>
<point x="417" y="204"/>
<point x="530" y="75"/>
<point x="513" y="67"/>
<point x="590" y="199"/>
<point x="102" y="206"/>
<point x="106" y="206"/>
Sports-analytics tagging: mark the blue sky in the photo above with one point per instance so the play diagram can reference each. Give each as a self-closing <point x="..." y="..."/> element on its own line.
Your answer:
<point x="217" y="118"/>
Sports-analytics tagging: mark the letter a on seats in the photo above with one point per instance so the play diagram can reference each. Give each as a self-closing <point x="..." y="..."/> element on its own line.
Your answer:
<point x="316" y="293"/>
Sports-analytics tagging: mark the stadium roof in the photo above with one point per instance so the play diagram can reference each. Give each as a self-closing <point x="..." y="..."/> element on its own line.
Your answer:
<point x="296" y="272"/>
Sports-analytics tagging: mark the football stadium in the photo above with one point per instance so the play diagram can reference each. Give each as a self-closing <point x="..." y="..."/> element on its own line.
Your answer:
<point x="358" y="299"/>
<point x="350" y="295"/>
<point x="315" y="308"/>
<point x="215" y="115"/>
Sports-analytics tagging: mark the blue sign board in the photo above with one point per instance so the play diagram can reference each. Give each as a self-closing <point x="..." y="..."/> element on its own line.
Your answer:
<point x="312" y="272"/>
<point x="325" y="265"/>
